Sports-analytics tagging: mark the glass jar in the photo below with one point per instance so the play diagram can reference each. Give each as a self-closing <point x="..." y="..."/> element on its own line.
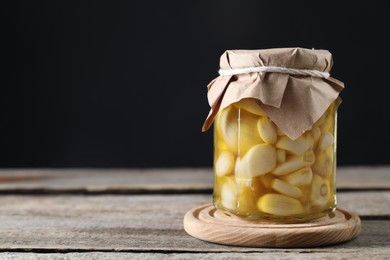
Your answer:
<point x="260" y="173"/>
<point x="274" y="115"/>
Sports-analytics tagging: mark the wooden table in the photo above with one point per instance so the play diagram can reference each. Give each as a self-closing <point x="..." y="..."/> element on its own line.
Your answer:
<point x="138" y="214"/>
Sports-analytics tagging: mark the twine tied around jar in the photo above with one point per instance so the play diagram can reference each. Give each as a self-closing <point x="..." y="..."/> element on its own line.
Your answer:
<point x="303" y="72"/>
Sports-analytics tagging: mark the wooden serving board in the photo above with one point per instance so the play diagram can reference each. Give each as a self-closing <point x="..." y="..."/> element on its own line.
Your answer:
<point x="212" y="225"/>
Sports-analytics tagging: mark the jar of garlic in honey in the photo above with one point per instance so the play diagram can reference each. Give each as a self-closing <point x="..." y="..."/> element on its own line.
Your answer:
<point x="274" y="114"/>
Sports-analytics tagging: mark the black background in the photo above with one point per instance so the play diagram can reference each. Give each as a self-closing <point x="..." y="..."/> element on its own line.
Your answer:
<point x="123" y="83"/>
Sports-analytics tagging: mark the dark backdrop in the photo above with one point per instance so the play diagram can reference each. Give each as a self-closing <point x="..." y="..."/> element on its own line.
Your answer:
<point x="123" y="83"/>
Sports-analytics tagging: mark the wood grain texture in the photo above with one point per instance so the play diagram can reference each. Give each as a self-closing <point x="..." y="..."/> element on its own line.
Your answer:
<point x="377" y="254"/>
<point x="85" y="216"/>
<point x="136" y="223"/>
<point x="106" y="180"/>
<point x="212" y="225"/>
<point x="178" y="180"/>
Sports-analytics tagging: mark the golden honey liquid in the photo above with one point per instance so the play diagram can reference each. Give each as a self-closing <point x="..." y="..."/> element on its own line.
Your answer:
<point x="262" y="174"/>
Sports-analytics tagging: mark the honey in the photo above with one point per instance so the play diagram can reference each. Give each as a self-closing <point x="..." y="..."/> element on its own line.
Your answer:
<point x="260" y="173"/>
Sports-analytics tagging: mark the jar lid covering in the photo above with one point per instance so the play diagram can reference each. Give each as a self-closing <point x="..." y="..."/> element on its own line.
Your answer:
<point x="293" y="102"/>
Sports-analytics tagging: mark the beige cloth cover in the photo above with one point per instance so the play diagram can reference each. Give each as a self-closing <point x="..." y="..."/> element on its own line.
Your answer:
<point x="293" y="102"/>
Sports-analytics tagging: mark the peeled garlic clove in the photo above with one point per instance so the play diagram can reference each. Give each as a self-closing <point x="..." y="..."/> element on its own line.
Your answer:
<point x="309" y="157"/>
<point x="251" y="105"/>
<point x="227" y="124"/>
<point x="286" y="188"/>
<point x="259" y="160"/>
<point x="294" y="163"/>
<point x="298" y="146"/>
<point x="244" y="182"/>
<point x="299" y="178"/>
<point x="316" y="133"/>
<point x="229" y="195"/>
<point x="280" y="155"/>
<point x="328" y="124"/>
<point x="281" y="205"/>
<point x="266" y="180"/>
<point x="219" y="143"/>
<point x="326" y="140"/>
<point x="324" y="162"/>
<point x="248" y="196"/>
<point x="267" y="130"/>
<point x="247" y="132"/>
<point x="320" y="191"/>
<point x="224" y="164"/>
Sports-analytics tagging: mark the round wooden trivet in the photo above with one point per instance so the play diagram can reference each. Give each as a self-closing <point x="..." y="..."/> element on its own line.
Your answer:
<point x="212" y="225"/>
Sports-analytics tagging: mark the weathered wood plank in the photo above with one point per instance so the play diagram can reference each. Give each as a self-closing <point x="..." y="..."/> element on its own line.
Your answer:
<point x="365" y="203"/>
<point x="155" y="180"/>
<point x="363" y="177"/>
<point x="147" y="223"/>
<point x="169" y="241"/>
<point x="106" y="180"/>
<point x="376" y="254"/>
